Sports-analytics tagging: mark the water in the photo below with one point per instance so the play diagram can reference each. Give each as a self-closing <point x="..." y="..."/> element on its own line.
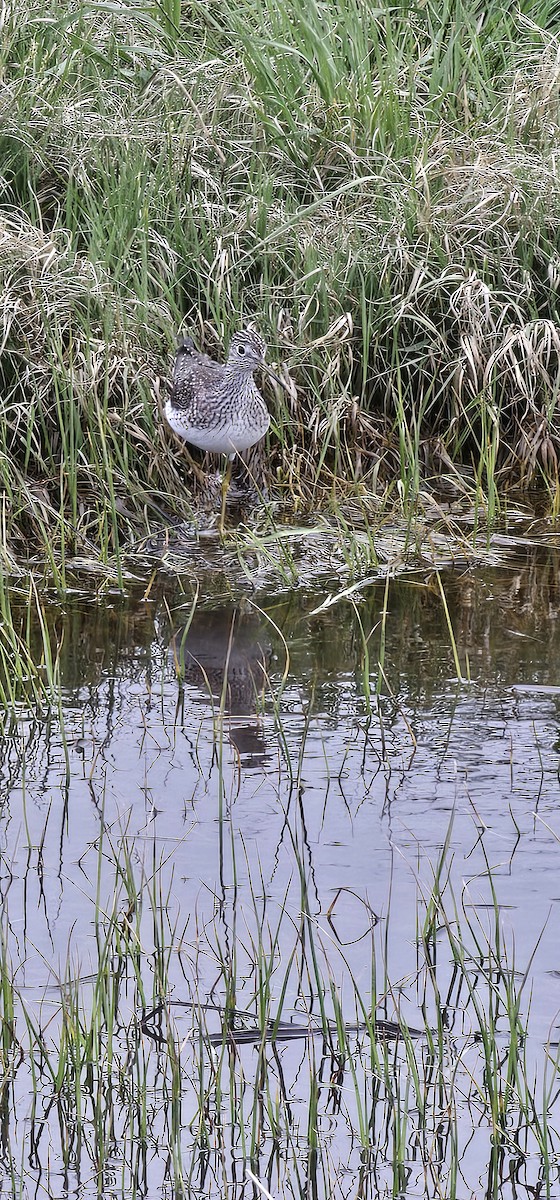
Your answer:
<point x="225" y="783"/>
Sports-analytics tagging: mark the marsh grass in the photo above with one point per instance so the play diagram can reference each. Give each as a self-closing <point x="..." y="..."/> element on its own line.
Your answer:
<point x="29" y="673"/>
<point x="378" y="189"/>
<point x="102" y="1067"/>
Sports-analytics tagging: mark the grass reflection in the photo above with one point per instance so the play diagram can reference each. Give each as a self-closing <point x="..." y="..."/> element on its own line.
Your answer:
<point x="325" y="961"/>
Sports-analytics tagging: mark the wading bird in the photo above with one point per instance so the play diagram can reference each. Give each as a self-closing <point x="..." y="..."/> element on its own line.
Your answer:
<point x="216" y="406"/>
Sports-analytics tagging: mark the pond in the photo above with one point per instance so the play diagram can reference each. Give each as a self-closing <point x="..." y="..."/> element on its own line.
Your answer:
<point x="253" y="821"/>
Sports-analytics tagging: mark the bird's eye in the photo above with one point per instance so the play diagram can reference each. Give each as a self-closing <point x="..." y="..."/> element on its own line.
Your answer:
<point x="240" y="349"/>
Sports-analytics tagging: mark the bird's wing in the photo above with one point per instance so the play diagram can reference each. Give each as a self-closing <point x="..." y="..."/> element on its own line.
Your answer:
<point x="191" y="364"/>
<point x="194" y="374"/>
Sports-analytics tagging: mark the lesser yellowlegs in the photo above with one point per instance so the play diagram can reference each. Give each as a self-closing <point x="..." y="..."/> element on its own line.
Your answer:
<point x="219" y="407"/>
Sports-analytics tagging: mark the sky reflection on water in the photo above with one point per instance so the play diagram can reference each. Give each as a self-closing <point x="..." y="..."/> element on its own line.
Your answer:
<point x="180" y="737"/>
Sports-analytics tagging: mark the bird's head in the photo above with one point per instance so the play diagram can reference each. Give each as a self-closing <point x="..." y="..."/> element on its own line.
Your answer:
<point x="247" y="351"/>
<point x="246" y="354"/>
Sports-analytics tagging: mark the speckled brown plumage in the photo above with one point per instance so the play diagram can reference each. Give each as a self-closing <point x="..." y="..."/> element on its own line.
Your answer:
<point x="219" y="407"/>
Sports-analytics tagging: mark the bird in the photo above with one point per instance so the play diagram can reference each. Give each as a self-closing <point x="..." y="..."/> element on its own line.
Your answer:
<point x="216" y="406"/>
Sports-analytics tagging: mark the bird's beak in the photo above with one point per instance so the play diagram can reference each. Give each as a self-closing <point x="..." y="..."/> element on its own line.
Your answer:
<point x="276" y="378"/>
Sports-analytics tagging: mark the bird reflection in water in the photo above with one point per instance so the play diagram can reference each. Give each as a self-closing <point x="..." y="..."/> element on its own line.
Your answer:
<point x="225" y="653"/>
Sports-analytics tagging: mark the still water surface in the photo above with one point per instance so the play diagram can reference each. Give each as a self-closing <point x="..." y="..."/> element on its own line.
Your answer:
<point x="236" y="748"/>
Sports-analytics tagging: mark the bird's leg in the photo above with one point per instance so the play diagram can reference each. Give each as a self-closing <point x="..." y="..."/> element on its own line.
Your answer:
<point x="226" y="478"/>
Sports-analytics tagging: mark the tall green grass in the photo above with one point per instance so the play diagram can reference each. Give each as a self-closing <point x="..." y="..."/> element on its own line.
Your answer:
<point x="376" y="186"/>
<point x="29" y="668"/>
